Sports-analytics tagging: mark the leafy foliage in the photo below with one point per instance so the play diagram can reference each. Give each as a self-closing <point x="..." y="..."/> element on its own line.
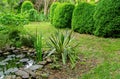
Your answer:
<point x="107" y="18"/>
<point x="60" y="44"/>
<point x="82" y="20"/>
<point x="63" y="15"/>
<point x="13" y="20"/>
<point x="26" y="6"/>
<point x="33" y="15"/>
<point x="52" y="9"/>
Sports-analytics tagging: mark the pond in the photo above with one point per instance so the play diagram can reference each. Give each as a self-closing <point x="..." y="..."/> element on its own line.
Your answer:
<point x="14" y="61"/>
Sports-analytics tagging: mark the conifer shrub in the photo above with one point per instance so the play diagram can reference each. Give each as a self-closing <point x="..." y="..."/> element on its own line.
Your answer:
<point x="33" y="15"/>
<point x="63" y="15"/>
<point x="82" y="20"/>
<point x="52" y="9"/>
<point x="26" y="6"/>
<point x="107" y="18"/>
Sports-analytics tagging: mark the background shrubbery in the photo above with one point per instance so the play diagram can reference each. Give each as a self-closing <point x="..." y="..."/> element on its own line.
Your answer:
<point x="63" y="15"/>
<point x="82" y="20"/>
<point x="52" y="9"/>
<point x="13" y="20"/>
<point x="33" y="15"/>
<point x="107" y="18"/>
<point x="26" y="6"/>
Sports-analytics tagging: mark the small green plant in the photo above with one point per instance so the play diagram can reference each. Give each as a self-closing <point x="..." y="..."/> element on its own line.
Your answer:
<point x="38" y="47"/>
<point x="61" y="47"/>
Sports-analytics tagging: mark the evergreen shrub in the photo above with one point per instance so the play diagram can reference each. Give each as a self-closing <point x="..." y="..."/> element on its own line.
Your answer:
<point x="26" y="6"/>
<point x="107" y="18"/>
<point x="33" y="15"/>
<point x="63" y="15"/>
<point x="52" y="9"/>
<point x="82" y="19"/>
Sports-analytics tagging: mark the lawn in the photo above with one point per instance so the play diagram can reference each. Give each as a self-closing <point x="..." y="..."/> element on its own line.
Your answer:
<point x="104" y="53"/>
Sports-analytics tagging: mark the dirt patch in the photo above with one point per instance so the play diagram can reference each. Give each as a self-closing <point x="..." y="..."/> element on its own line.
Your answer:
<point x="65" y="72"/>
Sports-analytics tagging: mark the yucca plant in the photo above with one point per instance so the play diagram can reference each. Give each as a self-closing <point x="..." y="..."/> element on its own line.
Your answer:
<point x="60" y="44"/>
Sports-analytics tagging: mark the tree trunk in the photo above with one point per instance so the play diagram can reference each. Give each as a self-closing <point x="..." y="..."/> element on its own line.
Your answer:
<point x="46" y="4"/>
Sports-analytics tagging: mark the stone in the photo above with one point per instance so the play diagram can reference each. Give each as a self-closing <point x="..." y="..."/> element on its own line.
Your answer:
<point x="35" y="67"/>
<point x="33" y="74"/>
<point x="24" y="60"/>
<point x="20" y="56"/>
<point x="1" y="51"/>
<point x="3" y="63"/>
<point x="10" y="49"/>
<point x="11" y="70"/>
<point x="13" y="76"/>
<point x="49" y="60"/>
<point x="22" y="73"/>
<point x="42" y="62"/>
<point x="6" y="53"/>
<point x="15" y="51"/>
<point x="1" y="74"/>
<point x="11" y="56"/>
<point x="18" y="78"/>
<point x="7" y="59"/>
<point x="29" y="64"/>
<point x="31" y="51"/>
<point x="25" y="51"/>
<point x="8" y="77"/>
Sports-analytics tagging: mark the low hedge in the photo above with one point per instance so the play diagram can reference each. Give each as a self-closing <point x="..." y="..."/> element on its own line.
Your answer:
<point x="63" y="15"/>
<point x="82" y="20"/>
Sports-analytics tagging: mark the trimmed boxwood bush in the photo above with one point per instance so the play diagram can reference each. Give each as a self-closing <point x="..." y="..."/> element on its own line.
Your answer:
<point x="52" y="9"/>
<point x="63" y="15"/>
<point x="82" y="20"/>
<point x="33" y="15"/>
<point x="107" y="18"/>
<point x="26" y="6"/>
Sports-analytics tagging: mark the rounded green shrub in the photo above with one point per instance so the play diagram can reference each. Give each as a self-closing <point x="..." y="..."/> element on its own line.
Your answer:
<point x="33" y="15"/>
<point x="26" y="6"/>
<point x="52" y="9"/>
<point x="82" y="19"/>
<point x="107" y="18"/>
<point x="63" y="15"/>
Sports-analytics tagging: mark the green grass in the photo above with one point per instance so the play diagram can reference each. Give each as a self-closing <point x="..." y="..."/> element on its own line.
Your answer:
<point x="105" y="50"/>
